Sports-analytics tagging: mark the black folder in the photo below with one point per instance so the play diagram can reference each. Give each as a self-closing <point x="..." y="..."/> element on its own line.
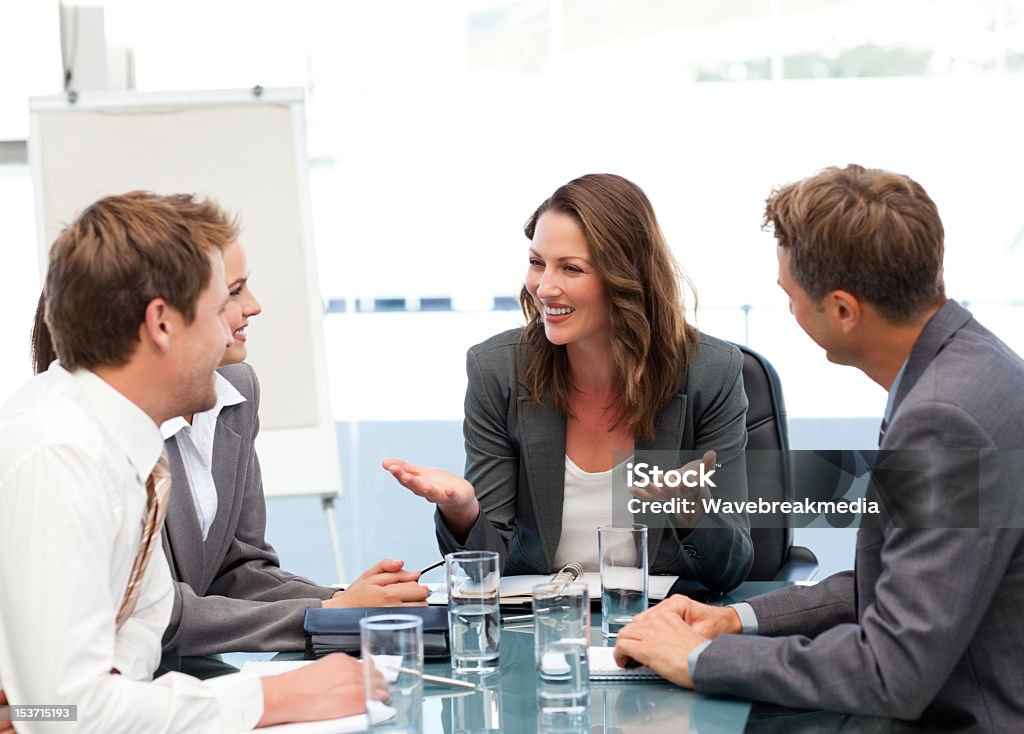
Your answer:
<point x="331" y="630"/>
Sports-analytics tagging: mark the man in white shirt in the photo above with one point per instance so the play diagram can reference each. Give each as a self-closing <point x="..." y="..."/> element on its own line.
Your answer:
<point x="135" y="302"/>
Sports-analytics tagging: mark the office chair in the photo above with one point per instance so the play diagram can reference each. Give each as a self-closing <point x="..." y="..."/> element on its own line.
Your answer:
<point x="775" y="556"/>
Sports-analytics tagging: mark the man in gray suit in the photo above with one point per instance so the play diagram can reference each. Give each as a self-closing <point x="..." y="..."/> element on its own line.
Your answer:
<point x="928" y="626"/>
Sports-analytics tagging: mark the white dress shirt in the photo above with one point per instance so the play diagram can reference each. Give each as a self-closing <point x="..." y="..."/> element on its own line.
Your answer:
<point x="74" y="458"/>
<point x="195" y="443"/>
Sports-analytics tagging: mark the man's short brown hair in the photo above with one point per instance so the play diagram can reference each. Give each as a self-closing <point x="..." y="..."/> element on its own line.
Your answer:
<point x="873" y="233"/>
<point x="116" y="257"/>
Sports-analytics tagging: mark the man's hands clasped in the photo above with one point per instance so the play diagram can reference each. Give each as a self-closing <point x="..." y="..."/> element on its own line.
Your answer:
<point x="663" y="637"/>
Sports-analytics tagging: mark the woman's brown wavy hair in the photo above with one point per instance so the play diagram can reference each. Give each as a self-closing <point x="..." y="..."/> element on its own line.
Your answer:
<point x="651" y="341"/>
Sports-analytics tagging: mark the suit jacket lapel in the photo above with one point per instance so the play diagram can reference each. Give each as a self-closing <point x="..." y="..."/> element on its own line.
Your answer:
<point x="542" y="429"/>
<point x="543" y="446"/>
<point x="227" y="456"/>
<point x="181" y="528"/>
<point x="669" y="426"/>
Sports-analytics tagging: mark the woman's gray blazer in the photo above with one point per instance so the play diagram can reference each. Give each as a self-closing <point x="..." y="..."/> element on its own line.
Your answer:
<point x="230" y="593"/>
<point x="515" y="458"/>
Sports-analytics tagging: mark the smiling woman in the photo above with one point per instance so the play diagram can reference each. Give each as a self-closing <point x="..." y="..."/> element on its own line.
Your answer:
<point x="230" y="591"/>
<point x="606" y="366"/>
<point x="564" y="285"/>
<point x="243" y="304"/>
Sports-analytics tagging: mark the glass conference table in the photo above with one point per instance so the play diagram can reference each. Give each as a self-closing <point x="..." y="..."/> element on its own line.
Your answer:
<point x="506" y="701"/>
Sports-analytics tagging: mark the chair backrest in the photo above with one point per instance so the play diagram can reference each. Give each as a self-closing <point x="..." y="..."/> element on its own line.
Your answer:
<point x="766" y="430"/>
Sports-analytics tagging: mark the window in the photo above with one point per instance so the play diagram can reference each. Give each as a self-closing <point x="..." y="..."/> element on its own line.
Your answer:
<point x="436" y="128"/>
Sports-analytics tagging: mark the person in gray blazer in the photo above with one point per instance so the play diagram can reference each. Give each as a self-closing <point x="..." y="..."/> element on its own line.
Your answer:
<point x="230" y="592"/>
<point x="928" y="626"/>
<point x="606" y="370"/>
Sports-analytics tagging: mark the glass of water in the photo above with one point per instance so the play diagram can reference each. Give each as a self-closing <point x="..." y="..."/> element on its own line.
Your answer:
<point x="392" y="645"/>
<point x="623" y="554"/>
<point x="474" y="624"/>
<point x="561" y="627"/>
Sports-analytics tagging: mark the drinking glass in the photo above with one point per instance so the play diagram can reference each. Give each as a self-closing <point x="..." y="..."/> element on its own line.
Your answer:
<point x="623" y="555"/>
<point x="561" y="626"/>
<point x="474" y="623"/>
<point x="392" y="644"/>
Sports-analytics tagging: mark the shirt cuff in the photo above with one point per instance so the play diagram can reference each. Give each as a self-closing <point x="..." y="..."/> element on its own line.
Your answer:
<point x="691" y="659"/>
<point x="240" y="698"/>
<point x="748" y="618"/>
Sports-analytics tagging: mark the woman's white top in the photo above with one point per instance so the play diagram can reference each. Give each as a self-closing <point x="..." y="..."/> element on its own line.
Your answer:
<point x="587" y="505"/>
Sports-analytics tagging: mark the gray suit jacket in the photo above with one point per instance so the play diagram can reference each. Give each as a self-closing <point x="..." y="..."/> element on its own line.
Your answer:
<point x="230" y="593"/>
<point x="515" y="458"/>
<point x="931" y="621"/>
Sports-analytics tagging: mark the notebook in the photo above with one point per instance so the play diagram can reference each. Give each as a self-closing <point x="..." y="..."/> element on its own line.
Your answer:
<point x="518" y="589"/>
<point x="603" y="667"/>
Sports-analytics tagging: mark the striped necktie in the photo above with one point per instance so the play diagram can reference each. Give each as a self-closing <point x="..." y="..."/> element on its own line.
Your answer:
<point x="158" y="489"/>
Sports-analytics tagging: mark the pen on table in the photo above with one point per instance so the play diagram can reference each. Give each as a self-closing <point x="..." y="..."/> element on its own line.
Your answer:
<point x="432" y="566"/>
<point x="517" y="618"/>
<point x="437" y="678"/>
